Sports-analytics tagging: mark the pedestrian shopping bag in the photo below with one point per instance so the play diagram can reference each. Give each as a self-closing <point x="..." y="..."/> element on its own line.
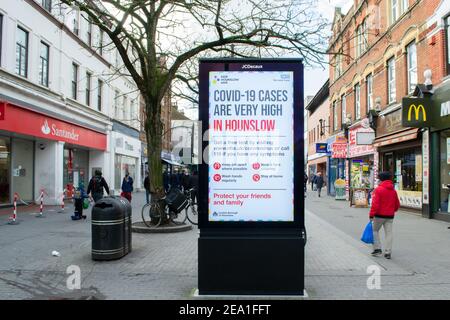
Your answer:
<point x="85" y="203"/>
<point x="367" y="235"/>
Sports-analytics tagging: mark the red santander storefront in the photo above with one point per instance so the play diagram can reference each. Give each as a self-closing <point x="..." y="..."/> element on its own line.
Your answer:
<point x="39" y="151"/>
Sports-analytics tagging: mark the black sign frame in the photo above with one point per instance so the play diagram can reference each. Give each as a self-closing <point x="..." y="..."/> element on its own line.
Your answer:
<point x="249" y="65"/>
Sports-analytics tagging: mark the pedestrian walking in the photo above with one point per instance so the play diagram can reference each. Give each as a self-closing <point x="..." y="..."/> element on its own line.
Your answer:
<point x="147" y="187"/>
<point x="193" y="184"/>
<point x="127" y="186"/>
<point x="385" y="203"/>
<point x="97" y="185"/>
<point x="311" y="179"/>
<point x="174" y="183"/>
<point x="305" y="182"/>
<point x="166" y="180"/>
<point x="318" y="180"/>
<point x="185" y="180"/>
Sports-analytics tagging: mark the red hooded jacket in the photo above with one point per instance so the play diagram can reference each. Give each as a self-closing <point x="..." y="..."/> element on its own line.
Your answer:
<point x="384" y="201"/>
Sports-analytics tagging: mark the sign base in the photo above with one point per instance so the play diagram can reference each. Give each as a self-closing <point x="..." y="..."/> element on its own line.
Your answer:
<point x="256" y="265"/>
<point x="198" y="296"/>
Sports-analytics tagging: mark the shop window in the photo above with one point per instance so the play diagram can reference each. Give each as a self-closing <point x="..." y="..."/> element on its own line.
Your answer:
<point x="444" y="171"/>
<point x="408" y="170"/>
<point x="5" y="170"/>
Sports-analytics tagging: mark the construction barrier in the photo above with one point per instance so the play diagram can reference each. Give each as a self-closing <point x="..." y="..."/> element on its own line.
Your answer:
<point x="41" y="206"/>
<point x="62" y="201"/>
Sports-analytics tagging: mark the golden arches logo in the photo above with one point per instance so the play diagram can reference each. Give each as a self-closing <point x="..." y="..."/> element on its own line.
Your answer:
<point x="417" y="109"/>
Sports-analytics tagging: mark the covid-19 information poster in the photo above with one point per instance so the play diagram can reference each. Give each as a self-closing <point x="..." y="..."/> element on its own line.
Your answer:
<point x="251" y="146"/>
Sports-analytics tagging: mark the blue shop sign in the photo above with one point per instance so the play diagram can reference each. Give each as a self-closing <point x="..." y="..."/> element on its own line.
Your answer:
<point x="321" y="147"/>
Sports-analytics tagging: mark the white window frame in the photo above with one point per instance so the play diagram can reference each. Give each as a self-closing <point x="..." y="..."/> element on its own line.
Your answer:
<point x="74" y="80"/>
<point x="88" y="88"/>
<point x="335" y="116"/>
<point x="411" y="66"/>
<point x="357" y="101"/>
<point x="100" y="85"/>
<point x="394" y="10"/>
<point x="22" y="64"/>
<point x="343" y="108"/>
<point x="392" y="90"/>
<point x="369" y="91"/>
<point x="116" y="104"/>
<point x="44" y="65"/>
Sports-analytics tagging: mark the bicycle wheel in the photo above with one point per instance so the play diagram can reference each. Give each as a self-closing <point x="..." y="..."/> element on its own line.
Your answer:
<point x="151" y="215"/>
<point x="192" y="214"/>
<point x="178" y="218"/>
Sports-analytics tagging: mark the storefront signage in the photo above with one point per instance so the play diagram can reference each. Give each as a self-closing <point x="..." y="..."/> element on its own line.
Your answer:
<point x="339" y="150"/>
<point x="416" y="112"/>
<point x="251" y="146"/>
<point x="389" y="123"/>
<point x="2" y="111"/>
<point x="356" y="150"/>
<point x="30" y="123"/>
<point x="321" y="147"/>
<point x="426" y="166"/>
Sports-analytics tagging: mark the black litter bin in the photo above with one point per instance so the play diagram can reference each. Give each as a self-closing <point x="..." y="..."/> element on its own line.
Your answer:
<point x="126" y="207"/>
<point x="108" y="229"/>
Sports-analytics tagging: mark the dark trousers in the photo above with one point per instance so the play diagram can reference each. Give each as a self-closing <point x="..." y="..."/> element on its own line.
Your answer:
<point x="78" y="207"/>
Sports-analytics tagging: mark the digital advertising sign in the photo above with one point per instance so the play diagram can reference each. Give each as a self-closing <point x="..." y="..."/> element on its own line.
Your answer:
<point x="249" y="112"/>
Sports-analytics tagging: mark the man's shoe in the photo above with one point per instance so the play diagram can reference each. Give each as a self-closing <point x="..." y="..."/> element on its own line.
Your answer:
<point x="376" y="252"/>
<point x="387" y="255"/>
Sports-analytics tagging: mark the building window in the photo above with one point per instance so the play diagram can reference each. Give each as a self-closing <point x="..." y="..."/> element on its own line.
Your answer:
<point x="362" y="38"/>
<point x="47" y="5"/>
<point x="116" y="104"/>
<point x="99" y="95"/>
<point x="1" y="37"/>
<point x="397" y="8"/>
<point x="22" y="52"/>
<point x="88" y="88"/>
<point x="411" y="52"/>
<point x="100" y="44"/>
<point x="391" y="81"/>
<point x="357" y="102"/>
<point x="76" y="22"/>
<point x="338" y="66"/>
<point x="44" y="64"/>
<point x="447" y="35"/>
<point x="75" y="68"/>
<point x="89" y="32"/>
<point x="369" y="91"/>
<point x="344" y="108"/>
<point x="335" y="116"/>
<point x="125" y="108"/>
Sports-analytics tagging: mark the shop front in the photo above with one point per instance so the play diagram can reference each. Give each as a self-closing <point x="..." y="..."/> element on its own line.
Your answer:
<point x="400" y="153"/>
<point x="35" y="154"/>
<point x="362" y="163"/>
<point x="127" y="157"/>
<point x="336" y="164"/>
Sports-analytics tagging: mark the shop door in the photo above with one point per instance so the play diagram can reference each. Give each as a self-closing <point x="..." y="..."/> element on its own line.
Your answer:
<point x="23" y="168"/>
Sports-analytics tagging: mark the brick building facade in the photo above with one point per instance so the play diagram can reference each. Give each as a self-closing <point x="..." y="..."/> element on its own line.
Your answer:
<point x="379" y="52"/>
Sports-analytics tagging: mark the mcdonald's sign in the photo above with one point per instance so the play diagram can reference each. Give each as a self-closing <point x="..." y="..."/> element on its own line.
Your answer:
<point x="416" y="112"/>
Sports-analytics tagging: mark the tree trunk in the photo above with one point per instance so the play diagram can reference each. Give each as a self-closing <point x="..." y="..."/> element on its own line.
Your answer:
<point x="153" y="131"/>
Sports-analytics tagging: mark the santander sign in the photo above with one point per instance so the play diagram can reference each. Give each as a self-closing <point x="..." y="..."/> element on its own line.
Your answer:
<point x="62" y="133"/>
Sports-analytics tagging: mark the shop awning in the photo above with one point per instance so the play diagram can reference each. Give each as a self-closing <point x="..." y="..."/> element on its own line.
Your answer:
<point x="318" y="160"/>
<point x="172" y="162"/>
<point x="409" y="134"/>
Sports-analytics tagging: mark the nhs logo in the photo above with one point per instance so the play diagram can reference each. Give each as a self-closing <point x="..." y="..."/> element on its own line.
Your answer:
<point x="445" y="109"/>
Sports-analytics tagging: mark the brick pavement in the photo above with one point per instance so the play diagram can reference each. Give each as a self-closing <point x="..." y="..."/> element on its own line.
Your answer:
<point x="164" y="266"/>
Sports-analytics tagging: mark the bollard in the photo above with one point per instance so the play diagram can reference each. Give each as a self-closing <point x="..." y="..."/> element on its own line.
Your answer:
<point x="13" y="219"/>
<point x="62" y="201"/>
<point x="41" y="207"/>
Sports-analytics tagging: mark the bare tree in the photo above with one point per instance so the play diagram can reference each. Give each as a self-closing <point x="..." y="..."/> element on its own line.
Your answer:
<point x="143" y="31"/>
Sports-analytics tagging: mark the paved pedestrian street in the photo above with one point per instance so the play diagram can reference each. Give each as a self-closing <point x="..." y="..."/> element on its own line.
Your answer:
<point x="164" y="266"/>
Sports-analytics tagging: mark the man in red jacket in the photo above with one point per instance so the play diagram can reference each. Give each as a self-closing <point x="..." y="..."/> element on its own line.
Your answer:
<point x="384" y="205"/>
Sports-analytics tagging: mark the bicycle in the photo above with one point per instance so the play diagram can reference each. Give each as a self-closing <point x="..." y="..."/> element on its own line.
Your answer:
<point x="158" y="211"/>
<point x="191" y="215"/>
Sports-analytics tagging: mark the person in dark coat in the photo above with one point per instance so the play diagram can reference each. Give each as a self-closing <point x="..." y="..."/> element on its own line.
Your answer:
<point x="147" y="187"/>
<point x="96" y="186"/>
<point x="127" y="186"/>
<point x="166" y="180"/>
<point x="311" y="180"/>
<point x="305" y="181"/>
<point x="174" y="183"/>
<point x="319" y="182"/>
<point x="193" y="184"/>
<point x="185" y="181"/>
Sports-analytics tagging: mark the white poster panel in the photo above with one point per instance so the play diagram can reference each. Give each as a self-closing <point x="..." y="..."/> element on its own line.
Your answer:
<point x="251" y="146"/>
